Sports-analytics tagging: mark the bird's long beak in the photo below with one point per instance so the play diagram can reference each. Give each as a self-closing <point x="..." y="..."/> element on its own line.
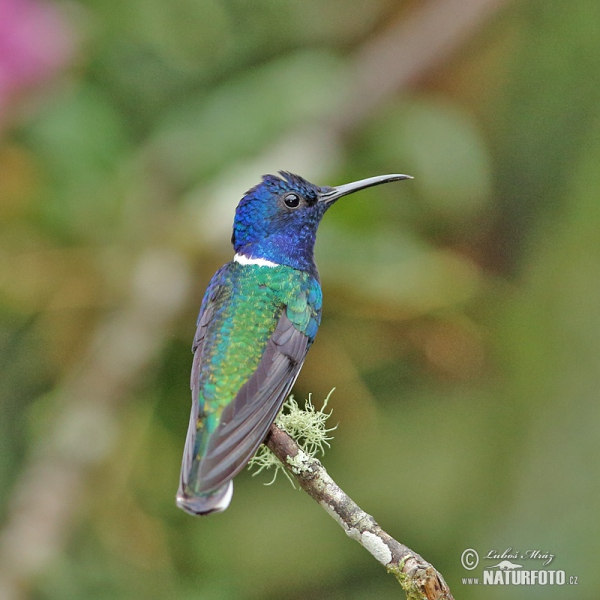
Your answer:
<point x="332" y="194"/>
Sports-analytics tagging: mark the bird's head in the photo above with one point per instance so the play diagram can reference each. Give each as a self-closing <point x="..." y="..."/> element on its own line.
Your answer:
<point x="277" y="220"/>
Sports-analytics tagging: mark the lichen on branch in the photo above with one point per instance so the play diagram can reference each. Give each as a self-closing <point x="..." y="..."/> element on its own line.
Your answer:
<point x="307" y="426"/>
<point x="418" y="578"/>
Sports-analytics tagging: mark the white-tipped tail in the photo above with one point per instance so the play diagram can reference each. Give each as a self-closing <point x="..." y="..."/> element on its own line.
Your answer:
<point x="206" y="504"/>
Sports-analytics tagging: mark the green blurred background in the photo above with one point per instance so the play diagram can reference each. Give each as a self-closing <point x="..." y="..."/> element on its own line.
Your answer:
<point x="461" y="325"/>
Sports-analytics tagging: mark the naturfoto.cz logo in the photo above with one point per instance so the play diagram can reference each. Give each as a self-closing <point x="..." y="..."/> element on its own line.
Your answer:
<point x="504" y="571"/>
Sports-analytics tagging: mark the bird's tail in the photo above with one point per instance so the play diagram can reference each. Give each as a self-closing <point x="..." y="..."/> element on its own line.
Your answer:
<point x="205" y="504"/>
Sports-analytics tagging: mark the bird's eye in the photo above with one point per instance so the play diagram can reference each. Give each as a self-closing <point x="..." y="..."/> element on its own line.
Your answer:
<point x="291" y="200"/>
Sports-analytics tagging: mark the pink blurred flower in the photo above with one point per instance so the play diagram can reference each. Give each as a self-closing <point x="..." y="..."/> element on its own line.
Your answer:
<point x="35" y="42"/>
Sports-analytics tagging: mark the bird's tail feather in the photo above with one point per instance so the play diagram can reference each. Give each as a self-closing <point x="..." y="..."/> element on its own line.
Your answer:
<point x="205" y="504"/>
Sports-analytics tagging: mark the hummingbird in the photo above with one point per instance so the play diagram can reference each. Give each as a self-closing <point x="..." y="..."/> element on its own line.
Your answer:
<point x="258" y="318"/>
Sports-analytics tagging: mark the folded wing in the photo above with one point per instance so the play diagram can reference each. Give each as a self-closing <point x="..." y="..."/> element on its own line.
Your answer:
<point x="245" y="421"/>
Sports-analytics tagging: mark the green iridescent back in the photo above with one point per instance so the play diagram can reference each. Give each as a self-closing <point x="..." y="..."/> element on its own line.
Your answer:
<point x="245" y="303"/>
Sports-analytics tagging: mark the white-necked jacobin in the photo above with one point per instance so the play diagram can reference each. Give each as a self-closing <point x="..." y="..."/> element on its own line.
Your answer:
<point x="259" y="317"/>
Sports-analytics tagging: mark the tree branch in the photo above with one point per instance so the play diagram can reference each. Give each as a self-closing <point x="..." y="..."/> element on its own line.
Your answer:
<point x="418" y="578"/>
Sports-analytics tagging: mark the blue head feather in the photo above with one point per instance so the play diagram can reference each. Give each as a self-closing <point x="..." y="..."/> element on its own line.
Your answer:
<point x="265" y="227"/>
